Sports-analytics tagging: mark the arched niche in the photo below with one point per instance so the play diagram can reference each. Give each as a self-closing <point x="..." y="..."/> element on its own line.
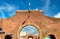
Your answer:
<point x="51" y="36"/>
<point x="29" y="29"/>
<point x="8" y="37"/>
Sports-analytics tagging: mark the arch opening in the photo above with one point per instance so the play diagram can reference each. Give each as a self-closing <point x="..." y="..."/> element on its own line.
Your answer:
<point x="8" y="37"/>
<point x="29" y="29"/>
<point x="30" y="37"/>
<point x="52" y="36"/>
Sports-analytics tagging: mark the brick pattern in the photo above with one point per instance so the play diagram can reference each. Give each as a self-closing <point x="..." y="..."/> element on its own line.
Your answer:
<point x="45" y="25"/>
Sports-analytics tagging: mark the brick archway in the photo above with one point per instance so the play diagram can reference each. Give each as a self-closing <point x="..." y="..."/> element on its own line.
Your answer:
<point x="38" y="28"/>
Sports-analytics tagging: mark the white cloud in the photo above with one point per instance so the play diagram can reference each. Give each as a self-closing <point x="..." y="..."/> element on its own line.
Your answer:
<point x="2" y="14"/>
<point x="10" y="7"/>
<point x="36" y="9"/>
<point x="7" y="7"/>
<point x="47" y="5"/>
<point x="30" y="30"/>
<point x="23" y="33"/>
<point x="57" y="15"/>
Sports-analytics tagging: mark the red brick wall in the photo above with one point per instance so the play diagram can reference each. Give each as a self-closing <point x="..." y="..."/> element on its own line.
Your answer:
<point x="46" y="24"/>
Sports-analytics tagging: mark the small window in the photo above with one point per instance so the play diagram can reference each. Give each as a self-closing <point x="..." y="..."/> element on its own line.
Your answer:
<point x="52" y="36"/>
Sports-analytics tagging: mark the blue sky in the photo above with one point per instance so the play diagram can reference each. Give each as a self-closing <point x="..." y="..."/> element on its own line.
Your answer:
<point x="50" y="7"/>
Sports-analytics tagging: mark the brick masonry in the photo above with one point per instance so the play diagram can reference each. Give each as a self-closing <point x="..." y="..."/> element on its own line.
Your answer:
<point x="46" y="25"/>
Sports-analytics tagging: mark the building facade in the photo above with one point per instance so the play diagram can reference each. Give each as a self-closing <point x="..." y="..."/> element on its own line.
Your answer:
<point x="45" y="25"/>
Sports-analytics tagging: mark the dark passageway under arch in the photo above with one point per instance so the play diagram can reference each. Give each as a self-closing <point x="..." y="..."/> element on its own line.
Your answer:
<point x="52" y="36"/>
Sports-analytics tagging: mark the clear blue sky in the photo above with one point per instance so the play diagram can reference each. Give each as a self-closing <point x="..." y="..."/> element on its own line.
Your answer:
<point x="8" y="7"/>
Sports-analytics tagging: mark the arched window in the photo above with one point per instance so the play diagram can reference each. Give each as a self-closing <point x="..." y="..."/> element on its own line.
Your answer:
<point x="51" y="36"/>
<point x="29" y="29"/>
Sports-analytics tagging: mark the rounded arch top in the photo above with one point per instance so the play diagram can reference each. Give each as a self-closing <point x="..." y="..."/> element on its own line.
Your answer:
<point x="30" y="29"/>
<point x="38" y="33"/>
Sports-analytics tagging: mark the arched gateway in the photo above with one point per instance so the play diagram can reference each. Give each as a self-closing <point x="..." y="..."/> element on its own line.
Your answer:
<point x="29" y="32"/>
